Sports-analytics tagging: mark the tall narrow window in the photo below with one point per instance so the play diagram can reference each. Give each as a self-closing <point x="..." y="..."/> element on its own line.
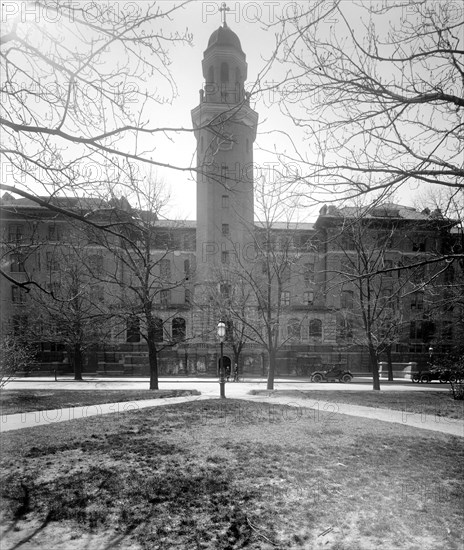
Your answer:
<point x="211" y="75"/>
<point x="165" y="269"/>
<point x="178" y="329"/>
<point x="158" y="329"/>
<point x="225" y="256"/>
<point x="315" y="328"/>
<point x="347" y="299"/>
<point x="164" y="298"/>
<point x="133" y="330"/>
<point x="225" y="201"/>
<point x="225" y="229"/>
<point x="224" y="72"/>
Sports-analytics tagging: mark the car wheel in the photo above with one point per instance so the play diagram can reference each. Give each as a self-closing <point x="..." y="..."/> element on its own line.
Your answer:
<point x="415" y="378"/>
<point x="317" y="378"/>
<point x="453" y="378"/>
<point x="425" y="379"/>
<point x="443" y="378"/>
<point x="346" y="378"/>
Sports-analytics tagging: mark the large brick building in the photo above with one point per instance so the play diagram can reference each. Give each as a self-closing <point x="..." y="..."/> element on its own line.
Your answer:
<point x="317" y="299"/>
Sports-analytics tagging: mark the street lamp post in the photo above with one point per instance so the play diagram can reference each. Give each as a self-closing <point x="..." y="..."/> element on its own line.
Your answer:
<point x="431" y="355"/>
<point x="221" y="331"/>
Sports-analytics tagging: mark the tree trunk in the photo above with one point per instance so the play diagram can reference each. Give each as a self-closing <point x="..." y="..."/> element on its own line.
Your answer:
<point x="77" y="357"/>
<point x="271" y="372"/>
<point x="153" y="360"/>
<point x="389" y="362"/>
<point x="375" y="368"/>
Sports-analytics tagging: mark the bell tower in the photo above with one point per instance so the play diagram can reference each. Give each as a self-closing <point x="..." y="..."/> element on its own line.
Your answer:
<point x="225" y="129"/>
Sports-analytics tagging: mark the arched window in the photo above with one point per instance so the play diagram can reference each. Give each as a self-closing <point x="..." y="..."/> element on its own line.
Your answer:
<point x="133" y="330"/>
<point x="315" y="328"/>
<point x="294" y="329"/>
<point x="238" y="75"/>
<point x="178" y="329"/>
<point x="158" y="329"/>
<point x="224" y="72"/>
<point x="211" y="75"/>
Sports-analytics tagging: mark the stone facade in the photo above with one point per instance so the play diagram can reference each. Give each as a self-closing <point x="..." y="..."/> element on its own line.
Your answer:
<point x="319" y="320"/>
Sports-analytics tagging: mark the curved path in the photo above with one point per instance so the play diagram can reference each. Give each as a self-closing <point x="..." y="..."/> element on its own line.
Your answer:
<point x="210" y="390"/>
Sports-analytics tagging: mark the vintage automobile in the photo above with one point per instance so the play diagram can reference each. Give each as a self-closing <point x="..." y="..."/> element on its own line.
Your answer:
<point x="335" y="374"/>
<point x="434" y="373"/>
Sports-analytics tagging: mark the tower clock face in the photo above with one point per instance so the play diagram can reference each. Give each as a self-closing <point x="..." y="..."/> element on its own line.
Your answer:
<point x="225" y="142"/>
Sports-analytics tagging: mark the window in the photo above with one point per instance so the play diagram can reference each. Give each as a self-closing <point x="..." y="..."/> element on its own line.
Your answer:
<point x="224" y="72"/>
<point x="225" y="201"/>
<point x="164" y="298"/>
<point x="294" y="329"/>
<point x="308" y="297"/>
<point x="17" y="264"/>
<point x="347" y="242"/>
<point x="224" y="290"/>
<point x="449" y="275"/>
<point x="225" y="229"/>
<point x="346" y="301"/>
<point x="224" y="169"/>
<point x="308" y="273"/>
<point x="229" y="331"/>
<point x="53" y="233"/>
<point x="15" y="233"/>
<point x="158" y="329"/>
<point x="225" y="256"/>
<point x="187" y="298"/>
<point x="285" y="298"/>
<point x="418" y="246"/>
<point x="417" y="301"/>
<point x="421" y="330"/>
<point x="187" y="269"/>
<point x="344" y="329"/>
<point x="211" y="75"/>
<point x="52" y="264"/>
<point x="388" y="264"/>
<point x="19" y="325"/>
<point x="178" y="329"/>
<point x="165" y="269"/>
<point x="315" y="328"/>
<point x="18" y="295"/>
<point x="133" y="330"/>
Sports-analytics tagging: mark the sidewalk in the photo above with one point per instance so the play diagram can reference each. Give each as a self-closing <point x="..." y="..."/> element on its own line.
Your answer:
<point x="239" y="391"/>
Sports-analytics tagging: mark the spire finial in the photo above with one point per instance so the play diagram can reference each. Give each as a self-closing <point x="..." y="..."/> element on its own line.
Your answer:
<point x="224" y="9"/>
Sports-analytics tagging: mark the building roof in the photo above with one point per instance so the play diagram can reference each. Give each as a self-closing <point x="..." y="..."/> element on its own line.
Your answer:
<point x="224" y="36"/>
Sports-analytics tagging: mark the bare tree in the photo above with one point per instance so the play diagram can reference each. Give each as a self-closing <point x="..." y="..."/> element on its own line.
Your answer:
<point x="380" y="275"/>
<point x="16" y="357"/>
<point x="146" y="273"/>
<point x="73" y="310"/>
<point x="377" y="89"/>
<point x="79" y="84"/>
<point x="269" y="272"/>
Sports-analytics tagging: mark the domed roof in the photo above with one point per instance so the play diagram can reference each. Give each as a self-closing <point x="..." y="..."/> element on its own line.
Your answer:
<point x="223" y="36"/>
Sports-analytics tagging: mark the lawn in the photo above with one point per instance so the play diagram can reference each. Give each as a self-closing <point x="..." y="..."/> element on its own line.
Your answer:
<point x="18" y="401"/>
<point x="227" y="475"/>
<point x="429" y="403"/>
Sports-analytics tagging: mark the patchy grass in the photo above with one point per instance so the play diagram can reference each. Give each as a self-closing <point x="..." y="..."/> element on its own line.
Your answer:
<point x="18" y="401"/>
<point x="429" y="403"/>
<point x="229" y="475"/>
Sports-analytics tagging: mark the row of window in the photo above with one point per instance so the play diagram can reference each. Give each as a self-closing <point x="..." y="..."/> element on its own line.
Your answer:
<point x="178" y="329"/>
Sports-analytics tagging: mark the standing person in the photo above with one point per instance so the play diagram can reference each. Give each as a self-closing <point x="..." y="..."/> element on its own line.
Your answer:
<point x="235" y="372"/>
<point x="227" y="372"/>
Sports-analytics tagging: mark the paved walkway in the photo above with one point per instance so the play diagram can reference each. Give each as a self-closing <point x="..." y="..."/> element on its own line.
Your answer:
<point x="210" y="390"/>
